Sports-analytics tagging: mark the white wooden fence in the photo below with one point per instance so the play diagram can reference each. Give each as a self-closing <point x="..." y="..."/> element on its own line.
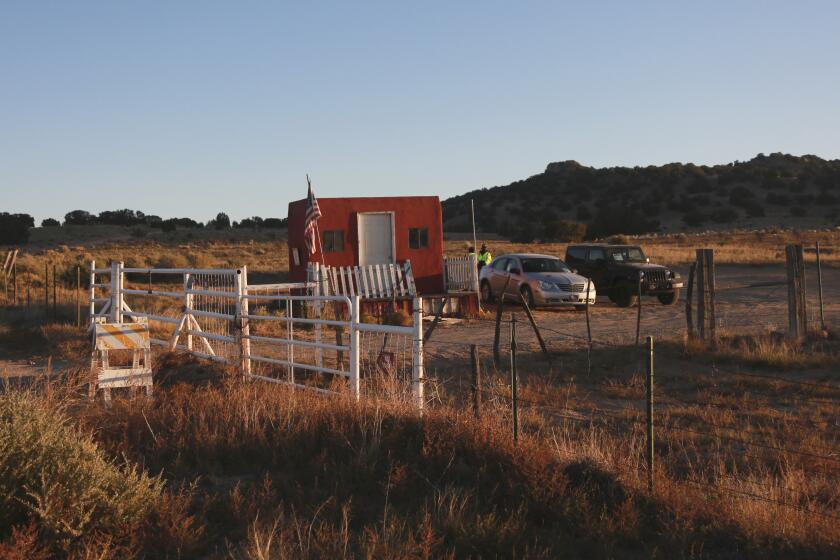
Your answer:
<point x="215" y="314"/>
<point x="375" y="281"/>
<point x="460" y="274"/>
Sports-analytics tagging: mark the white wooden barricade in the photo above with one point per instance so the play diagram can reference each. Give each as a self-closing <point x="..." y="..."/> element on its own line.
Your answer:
<point x="108" y="337"/>
<point x="374" y="281"/>
<point x="460" y="274"/>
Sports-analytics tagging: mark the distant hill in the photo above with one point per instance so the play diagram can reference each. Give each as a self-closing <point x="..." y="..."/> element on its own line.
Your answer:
<point x="778" y="190"/>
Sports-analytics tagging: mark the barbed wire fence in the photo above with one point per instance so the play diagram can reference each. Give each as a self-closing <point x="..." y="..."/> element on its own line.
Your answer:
<point x="664" y="415"/>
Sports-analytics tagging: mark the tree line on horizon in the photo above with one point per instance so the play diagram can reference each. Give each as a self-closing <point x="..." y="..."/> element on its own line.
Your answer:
<point x="570" y="201"/>
<point x="15" y="228"/>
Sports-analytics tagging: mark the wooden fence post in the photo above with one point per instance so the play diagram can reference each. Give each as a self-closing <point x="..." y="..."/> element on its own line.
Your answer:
<point x="803" y="300"/>
<point x="55" y="305"/>
<point x="513" y="380"/>
<point x="797" y="316"/>
<point x="46" y="291"/>
<point x="497" y="337"/>
<point x="689" y="321"/>
<point x="588" y="330"/>
<point x="649" y="387"/>
<point x="639" y="306"/>
<point x="820" y="288"/>
<point x="701" y="294"/>
<point x="710" y="286"/>
<point x="793" y="313"/>
<point x="476" y="380"/>
<point x="78" y="296"/>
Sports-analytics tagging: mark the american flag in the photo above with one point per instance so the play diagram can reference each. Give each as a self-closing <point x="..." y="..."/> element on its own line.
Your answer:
<point x="313" y="212"/>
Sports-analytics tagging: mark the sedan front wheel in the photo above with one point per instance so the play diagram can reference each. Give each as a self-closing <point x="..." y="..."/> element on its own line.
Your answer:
<point x="527" y="296"/>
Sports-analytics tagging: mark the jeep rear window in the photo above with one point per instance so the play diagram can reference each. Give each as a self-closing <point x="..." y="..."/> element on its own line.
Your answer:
<point x="576" y="253"/>
<point x="627" y="254"/>
<point x="544" y="265"/>
<point x="596" y="254"/>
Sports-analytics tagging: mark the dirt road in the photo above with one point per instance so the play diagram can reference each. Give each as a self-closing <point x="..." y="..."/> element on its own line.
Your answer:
<point x="743" y="310"/>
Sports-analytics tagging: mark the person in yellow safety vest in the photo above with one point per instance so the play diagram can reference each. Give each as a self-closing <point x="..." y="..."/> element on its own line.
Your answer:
<point x="484" y="256"/>
<point x="471" y="251"/>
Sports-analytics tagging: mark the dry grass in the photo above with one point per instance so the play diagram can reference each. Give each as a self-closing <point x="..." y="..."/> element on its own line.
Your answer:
<point x="772" y="349"/>
<point x="259" y="471"/>
<point x="753" y="248"/>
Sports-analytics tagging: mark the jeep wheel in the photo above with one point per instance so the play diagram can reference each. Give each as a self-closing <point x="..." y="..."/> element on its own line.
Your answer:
<point x="486" y="293"/>
<point x="624" y="297"/>
<point x="527" y="296"/>
<point x="669" y="298"/>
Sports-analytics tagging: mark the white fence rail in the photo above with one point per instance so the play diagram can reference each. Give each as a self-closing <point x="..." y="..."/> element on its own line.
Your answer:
<point x="374" y="281"/>
<point x="264" y="330"/>
<point x="460" y="274"/>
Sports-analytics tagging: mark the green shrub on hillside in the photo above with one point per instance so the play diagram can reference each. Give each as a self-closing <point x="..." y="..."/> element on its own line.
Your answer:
<point x="563" y="231"/>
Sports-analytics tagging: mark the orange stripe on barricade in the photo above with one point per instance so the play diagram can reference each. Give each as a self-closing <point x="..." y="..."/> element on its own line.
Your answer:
<point x="125" y="336"/>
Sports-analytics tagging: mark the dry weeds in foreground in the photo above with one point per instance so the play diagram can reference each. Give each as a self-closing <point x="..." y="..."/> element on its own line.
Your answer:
<point x="259" y="471"/>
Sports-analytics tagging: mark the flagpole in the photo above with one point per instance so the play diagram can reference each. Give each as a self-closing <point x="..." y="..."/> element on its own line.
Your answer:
<point x="318" y="236"/>
<point x="475" y="252"/>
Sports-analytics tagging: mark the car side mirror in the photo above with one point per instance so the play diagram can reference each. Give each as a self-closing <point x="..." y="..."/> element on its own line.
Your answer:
<point x="515" y="271"/>
<point x="574" y="271"/>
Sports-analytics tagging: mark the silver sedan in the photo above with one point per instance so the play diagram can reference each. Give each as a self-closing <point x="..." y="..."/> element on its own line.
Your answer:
<point x="542" y="280"/>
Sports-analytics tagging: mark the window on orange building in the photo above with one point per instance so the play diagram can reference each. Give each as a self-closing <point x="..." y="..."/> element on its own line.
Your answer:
<point x="418" y="238"/>
<point x="333" y="241"/>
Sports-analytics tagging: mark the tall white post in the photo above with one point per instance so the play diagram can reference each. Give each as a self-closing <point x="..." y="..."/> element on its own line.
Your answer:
<point x="243" y="331"/>
<point x="116" y="292"/>
<point x="314" y="275"/>
<point x="92" y="290"/>
<point x="188" y="303"/>
<point x="354" y="346"/>
<point x="418" y="375"/>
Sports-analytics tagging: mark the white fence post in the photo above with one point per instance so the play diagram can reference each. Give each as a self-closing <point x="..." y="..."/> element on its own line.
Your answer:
<point x="116" y="292"/>
<point x="290" y="335"/>
<point x="314" y="275"/>
<point x="241" y="321"/>
<point x="188" y="304"/>
<point x="418" y="376"/>
<point x="92" y="291"/>
<point x="354" y="346"/>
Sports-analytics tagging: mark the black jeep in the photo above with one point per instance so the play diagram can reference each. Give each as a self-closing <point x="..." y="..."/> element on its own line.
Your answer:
<point x="617" y="270"/>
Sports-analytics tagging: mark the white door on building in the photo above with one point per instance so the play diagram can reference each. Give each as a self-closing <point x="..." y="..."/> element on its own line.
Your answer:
<point x="376" y="237"/>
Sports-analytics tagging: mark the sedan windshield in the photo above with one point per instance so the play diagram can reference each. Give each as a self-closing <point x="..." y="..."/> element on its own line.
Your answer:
<point x="627" y="254"/>
<point x="543" y="265"/>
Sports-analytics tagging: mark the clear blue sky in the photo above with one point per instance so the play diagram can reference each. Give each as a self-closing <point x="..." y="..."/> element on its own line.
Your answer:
<point x="185" y="109"/>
